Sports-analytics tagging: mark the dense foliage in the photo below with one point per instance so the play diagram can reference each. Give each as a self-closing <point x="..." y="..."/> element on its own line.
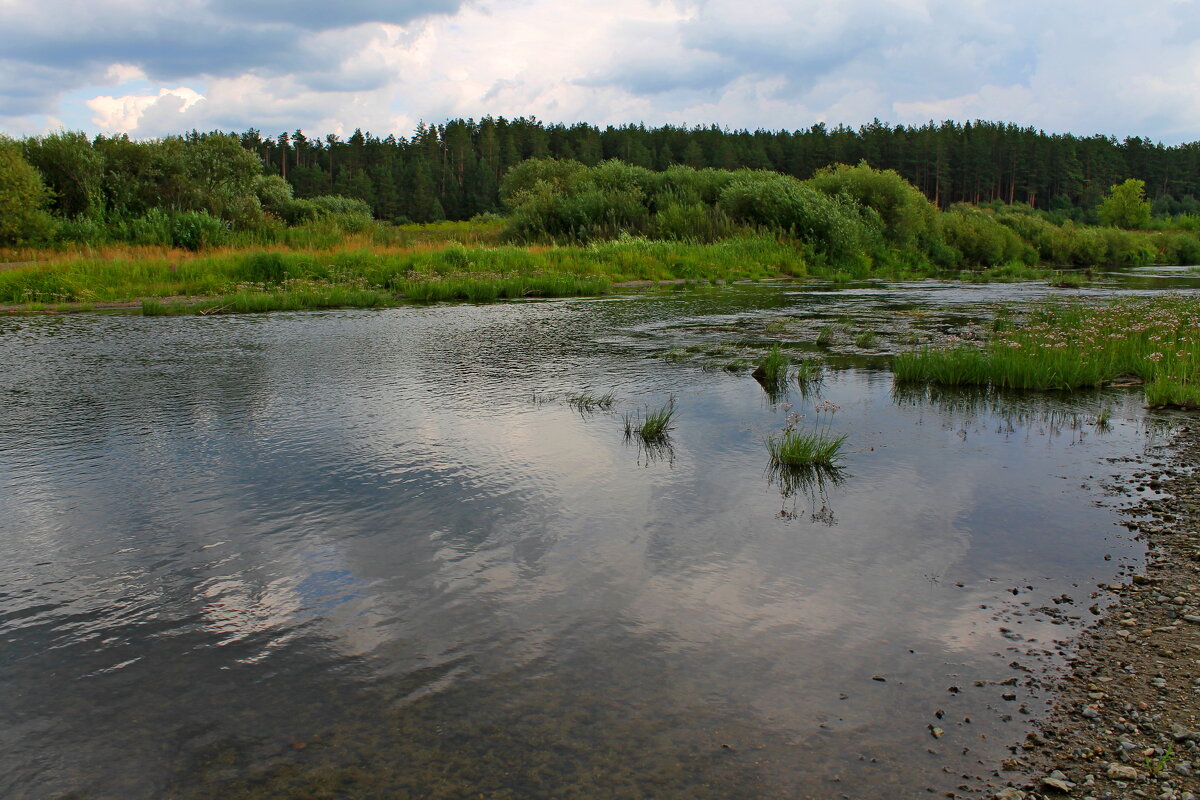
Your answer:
<point x="454" y="170"/>
<point x="975" y="195"/>
<point x="853" y="219"/>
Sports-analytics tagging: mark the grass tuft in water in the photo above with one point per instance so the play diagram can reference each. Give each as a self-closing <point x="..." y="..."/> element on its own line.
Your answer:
<point x="772" y="368"/>
<point x="587" y="401"/>
<point x="796" y="446"/>
<point x="825" y="335"/>
<point x="865" y="340"/>
<point x="651" y="427"/>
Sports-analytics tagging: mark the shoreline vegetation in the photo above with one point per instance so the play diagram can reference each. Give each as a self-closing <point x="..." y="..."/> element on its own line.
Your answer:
<point x="572" y="230"/>
<point x="1078" y="344"/>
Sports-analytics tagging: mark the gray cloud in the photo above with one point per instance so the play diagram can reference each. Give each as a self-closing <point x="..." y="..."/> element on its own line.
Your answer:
<point x="319" y="15"/>
<point x="177" y="41"/>
<point x="1084" y="66"/>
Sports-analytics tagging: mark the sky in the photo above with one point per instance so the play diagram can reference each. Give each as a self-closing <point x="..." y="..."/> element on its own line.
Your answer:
<point x="155" y="67"/>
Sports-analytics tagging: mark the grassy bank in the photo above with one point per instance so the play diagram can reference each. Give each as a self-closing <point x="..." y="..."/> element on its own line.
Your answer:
<point x="1071" y="345"/>
<point x="262" y="279"/>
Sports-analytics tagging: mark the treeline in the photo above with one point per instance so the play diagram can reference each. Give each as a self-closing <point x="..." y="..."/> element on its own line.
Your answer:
<point x="190" y="192"/>
<point x="198" y="189"/>
<point x="454" y="170"/>
<point x="855" y="219"/>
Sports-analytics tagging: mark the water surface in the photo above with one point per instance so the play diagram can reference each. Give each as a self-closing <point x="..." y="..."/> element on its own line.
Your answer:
<point x="375" y="554"/>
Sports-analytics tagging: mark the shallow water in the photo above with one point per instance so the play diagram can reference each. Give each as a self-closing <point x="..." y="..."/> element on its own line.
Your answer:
<point x="375" y="554"/>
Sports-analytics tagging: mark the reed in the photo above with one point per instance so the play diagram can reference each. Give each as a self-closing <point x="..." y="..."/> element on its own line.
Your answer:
<point x="652" y="427"/>
<point x="1076" y="344"/>
<point x="796" y="446"/>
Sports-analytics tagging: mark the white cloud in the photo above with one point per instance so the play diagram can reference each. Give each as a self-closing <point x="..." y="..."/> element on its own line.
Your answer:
<point x="1076" y="65"/>
<point x="117" y="114"/>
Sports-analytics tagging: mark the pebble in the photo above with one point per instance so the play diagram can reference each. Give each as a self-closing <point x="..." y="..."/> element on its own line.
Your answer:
<point x="1121" y="772"/>
<point x="1089" y="713"/>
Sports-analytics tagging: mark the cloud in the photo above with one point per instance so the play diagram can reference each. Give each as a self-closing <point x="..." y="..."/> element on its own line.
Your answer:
<point x="130" y="111"/>
<point x="185" y="41"/>
<point x="1076" y="65"/>
<point x="318" y="15"/>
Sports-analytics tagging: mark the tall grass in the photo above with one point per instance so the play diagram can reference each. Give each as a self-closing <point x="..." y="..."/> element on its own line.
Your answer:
<point x="420" y="272"/>
<point x="1070" y="345"/>
<point x="771" y="369"/>
<point x="587" y="401"/>
<point x="797" y="446"/>
<point x="652" y="426"/>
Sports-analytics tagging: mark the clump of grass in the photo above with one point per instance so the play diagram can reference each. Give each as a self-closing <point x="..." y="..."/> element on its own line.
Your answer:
<point x="587" y="401"/>
<point x="1104" y="418"/>
<point x="1069" y="345"/>
<point x="772" y="368"/>
<point x="674" y="354"/>
<point x="737" y="365"/>
<point x="865" y="340"/>
<point x="483" y="289"/>
<point x="798" y="447"/>
<point x="825" y="335"/>
<point x="809" y="375"/>
<point x="1069" y="280"/>
<point x="776" y="326"/>
<point x="652" y="427"/>
<point x="808" y="371"/>
<point x="1168" y="393"/>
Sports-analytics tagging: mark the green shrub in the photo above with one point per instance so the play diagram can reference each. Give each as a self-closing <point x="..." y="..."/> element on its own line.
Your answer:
<point x="23" y="198"/>
<point x="196" y="230"/>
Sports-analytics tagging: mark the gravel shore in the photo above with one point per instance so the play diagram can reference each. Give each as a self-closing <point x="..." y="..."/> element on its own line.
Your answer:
<point x="1126" y="718"/>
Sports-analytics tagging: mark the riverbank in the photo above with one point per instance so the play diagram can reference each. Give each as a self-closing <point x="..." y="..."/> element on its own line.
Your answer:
<point x="1126" y="719"/>
<point x="362" y="272"/>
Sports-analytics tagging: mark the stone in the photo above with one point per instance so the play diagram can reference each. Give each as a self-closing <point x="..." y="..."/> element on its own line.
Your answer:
<point x="1057" y="785"/>
<point x="1011" y="793"/>
<point x="1121" y="772"/>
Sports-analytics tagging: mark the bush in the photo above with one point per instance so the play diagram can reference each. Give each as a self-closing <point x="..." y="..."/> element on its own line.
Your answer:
<point x="23" y="198"/>
<point x="836" y="227"/>
<point x="908" y="217"/>
<point x="981" y="239"/>
<point x="335" y="204"/>
<point x="196" y="230"/>
<point x="522" y="178"/>
<point x="152" y="228"/>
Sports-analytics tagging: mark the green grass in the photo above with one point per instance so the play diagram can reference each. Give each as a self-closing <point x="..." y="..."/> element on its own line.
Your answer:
<point x="799" y="448"/>
<point x="771" y="369"/>
<point x="652" y="427"/>
<point x="1070" y="345"/>
<point x="587" y="401"/>
<point x="808" y="373"/>
<point x="418" y="269"/>
<point x="825" y="335"/>
<point x="865" y="340"/>
<point x="1167" y="394"/>
<point x="485" y="289"/>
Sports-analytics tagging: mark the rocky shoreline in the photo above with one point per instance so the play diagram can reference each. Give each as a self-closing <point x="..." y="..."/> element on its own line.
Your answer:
<point x="1126" y="716"/>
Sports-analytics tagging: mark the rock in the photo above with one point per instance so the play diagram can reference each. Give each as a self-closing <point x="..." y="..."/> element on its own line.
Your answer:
<point x="936" y="732"/>
<point x="1011" y="793"/>
<point x="1121" y="772"/>
<point x="1192" y="618"/>
<point x="1089" y="713"/>
<point x="1058" y="785"/>
<point x="1184" y="768"/>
